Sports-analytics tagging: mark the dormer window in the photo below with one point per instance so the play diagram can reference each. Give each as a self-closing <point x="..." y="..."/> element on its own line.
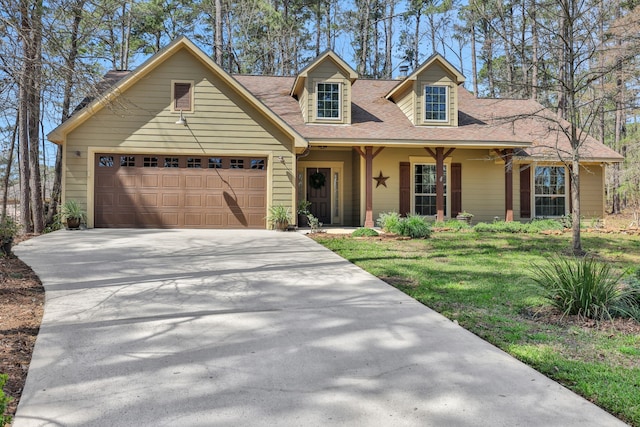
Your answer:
<point x="435" y="103"/>
<point x="182" y="96"/>
<point x="328" y="101"/>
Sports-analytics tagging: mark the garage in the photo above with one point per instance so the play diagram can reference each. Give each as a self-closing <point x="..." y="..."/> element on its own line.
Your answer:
<point x="170" y="191"/>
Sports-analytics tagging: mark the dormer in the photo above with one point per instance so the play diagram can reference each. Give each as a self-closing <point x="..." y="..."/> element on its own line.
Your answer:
<point x="323" y="89"/>
<point x="429" y="96"/>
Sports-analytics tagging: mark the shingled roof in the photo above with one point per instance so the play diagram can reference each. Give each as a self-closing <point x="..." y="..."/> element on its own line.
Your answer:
<point x="482" y="123"/>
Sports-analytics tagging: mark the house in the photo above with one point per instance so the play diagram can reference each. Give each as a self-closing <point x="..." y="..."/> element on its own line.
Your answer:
<point x="181" y="143"/>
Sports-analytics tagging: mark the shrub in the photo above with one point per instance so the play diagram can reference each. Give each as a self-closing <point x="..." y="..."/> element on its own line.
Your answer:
<point x="580" y="286"/>
<point x="4" y="401"/>
<point x="535" y="226"/>
<point x="364" y="232"/>
<point x="629" y="304"/>
<point x="389" y="221"/>
<point x="414" y="226"/>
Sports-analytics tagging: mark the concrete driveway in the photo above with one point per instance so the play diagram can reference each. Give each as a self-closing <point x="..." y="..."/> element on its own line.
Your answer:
<point x="257" y="328"/>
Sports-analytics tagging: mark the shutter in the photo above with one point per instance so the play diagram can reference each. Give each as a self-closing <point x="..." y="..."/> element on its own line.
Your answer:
<point x="182" y="96"/>
<point x="456" y="189"/>
<point x="525" y="191"/>
<point x="405" y="188"/>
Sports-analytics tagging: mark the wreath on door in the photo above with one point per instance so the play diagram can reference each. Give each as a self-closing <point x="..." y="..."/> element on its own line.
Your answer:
<point x="317" y="180"/>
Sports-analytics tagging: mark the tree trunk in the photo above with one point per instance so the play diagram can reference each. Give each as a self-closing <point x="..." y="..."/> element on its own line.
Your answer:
<point x="388" y="66"/>
<point x="416" y="41"/>
<point x="474" y="60"/>
<point x="7" y="173"/>
<point x="218" y="32"/>
<point x="35" y="80"/>
<point x="534" y="52"/>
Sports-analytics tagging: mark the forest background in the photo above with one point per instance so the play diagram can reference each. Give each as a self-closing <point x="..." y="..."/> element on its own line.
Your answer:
<point x="579" y="58"/>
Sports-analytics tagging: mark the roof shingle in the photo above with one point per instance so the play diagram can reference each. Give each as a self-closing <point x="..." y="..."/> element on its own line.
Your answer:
<point x="481" y="122"/>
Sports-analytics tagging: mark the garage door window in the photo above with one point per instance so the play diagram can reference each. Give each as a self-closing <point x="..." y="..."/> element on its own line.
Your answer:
<point x="127" y="161"/>
<point x="237" y="164"/>
<point x="215" y="162"/>
<point x="257" y="164"/>
<point x="106" y="162"/>
<point x="194" y="163"/>
<point x="171" y="162"/>
<point x="150" y="162"/>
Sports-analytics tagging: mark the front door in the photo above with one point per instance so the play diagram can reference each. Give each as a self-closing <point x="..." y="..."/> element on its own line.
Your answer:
<point x="319" y="193"/>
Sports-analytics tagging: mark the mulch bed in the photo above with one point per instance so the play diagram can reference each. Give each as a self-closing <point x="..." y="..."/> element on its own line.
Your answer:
<point x="21" y="308"/>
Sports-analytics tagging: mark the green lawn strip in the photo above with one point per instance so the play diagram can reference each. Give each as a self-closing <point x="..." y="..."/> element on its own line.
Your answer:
<point x="482" y="280"/>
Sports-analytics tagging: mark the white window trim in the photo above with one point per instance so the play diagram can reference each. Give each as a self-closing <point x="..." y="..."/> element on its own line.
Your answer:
<point x="315" y="106"/>
<point x="191" y="96"/>
<point x="447" y="193"/>
<point x="424" y="103"/>
<point x="567" y="190"/>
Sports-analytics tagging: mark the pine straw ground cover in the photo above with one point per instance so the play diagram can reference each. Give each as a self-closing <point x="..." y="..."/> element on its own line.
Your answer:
<point x="483" y="281"/>
<point x="21" y="308"/>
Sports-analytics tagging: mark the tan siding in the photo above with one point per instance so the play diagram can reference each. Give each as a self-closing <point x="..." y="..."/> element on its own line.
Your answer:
<point x="327" y="71"/>
<point x="341" y="156"/>
<point x="591" y="192"/>
<point x="355" y="184"/>
<point x="482" y="185"/>
<point x="406" y="103"/>
<point x="436" y="75"/>
<point x="304" y="103"/>
<point x="141" y="120"/>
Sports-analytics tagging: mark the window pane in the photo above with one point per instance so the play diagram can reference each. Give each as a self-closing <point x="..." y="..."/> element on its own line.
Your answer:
<point x="106" y="162"/>
<point x="150" y="162"/>
<point x="257" y="164"/>
<point x="194" y="163"/>
<point x="550" y="191"/>
<point x="425" y="189"/>
<point x="236" y="164"/>
<point x="127" y="161"/>
<point x="215" y="163"/>
<point x="328" y="104"/>
<point x="435" y="103"/>
<point x="171" y="162"/>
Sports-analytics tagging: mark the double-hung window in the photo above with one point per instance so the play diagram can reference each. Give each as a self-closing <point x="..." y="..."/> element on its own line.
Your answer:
<point x="425" y="189"/>
<point x="550" y="191"/>
<point x="328" y="101"/>
<point x="435" y="103"/>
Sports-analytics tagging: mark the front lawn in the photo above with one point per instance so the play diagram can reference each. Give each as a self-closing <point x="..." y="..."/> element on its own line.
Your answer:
<point x="482" y="280"/>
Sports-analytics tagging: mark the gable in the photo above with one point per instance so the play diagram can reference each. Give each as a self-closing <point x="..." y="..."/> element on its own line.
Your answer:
<point x="319" y="84"/>
<point x="143" y="116"/>
<point x="435" y="74"/>
<point x="178" y="61"/>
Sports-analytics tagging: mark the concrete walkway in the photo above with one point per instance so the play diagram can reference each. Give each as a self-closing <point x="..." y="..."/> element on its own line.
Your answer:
<point x="257" y="328"/>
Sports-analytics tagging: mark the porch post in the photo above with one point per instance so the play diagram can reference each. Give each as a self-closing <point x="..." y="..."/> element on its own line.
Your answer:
<point x="368" y="155"/>
<point x="439" y="184"/>
<point x="508" y="185"/>
<point x="368" y="217"/>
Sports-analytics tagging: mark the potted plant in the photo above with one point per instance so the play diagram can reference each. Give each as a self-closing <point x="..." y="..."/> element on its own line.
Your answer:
<point x="303" y="212"/>
<point x="279" y="217"/>
<point x="464" y="217"/>
<point x="8" y="230"/>
<point x="73" y="214"/>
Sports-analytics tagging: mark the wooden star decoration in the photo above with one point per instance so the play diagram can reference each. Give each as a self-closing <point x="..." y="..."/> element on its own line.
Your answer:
<point x="381" y="180"/>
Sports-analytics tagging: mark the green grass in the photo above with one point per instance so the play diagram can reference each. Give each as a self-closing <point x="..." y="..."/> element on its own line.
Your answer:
<point x="483" y="281"/>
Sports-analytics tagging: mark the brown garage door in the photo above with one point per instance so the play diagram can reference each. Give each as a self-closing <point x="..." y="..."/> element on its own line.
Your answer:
<point x="180" y="191"/>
